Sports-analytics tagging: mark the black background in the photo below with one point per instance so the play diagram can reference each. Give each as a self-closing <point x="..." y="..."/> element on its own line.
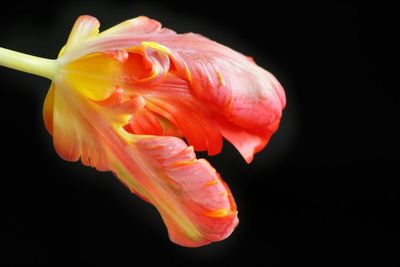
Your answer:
<point x="324" y="191"/>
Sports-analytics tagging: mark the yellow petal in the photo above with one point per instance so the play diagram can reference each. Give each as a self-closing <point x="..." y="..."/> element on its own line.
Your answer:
<point x="94" y="75"/>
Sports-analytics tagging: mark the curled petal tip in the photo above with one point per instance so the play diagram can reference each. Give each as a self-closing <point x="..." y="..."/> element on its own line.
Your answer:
<point x="195" y="203"/>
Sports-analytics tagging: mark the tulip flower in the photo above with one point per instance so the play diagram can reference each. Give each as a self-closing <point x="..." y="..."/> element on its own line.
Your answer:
<point x="122" y="100"/>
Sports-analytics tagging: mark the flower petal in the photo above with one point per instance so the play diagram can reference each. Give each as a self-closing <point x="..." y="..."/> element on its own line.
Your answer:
<point x="48" y="107"/>
<point x="247" y="97"/>
<point x="195" y="190"/>
<point x="228" y="79"/>
<point x="247" y="141"/>
<point x="195" y="204"/>
<point x="138" y="25"/>
<point x="73" y="131"/>
<point x="84" y="27"/>
<point x="146" y="122"/>
<point x="198" y="128"/>
<point x="95" y="75"/>
<point x="118" y="37"/>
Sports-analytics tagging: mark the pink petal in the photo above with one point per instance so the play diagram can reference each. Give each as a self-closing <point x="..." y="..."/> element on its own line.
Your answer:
<point x="202" y="195"/>
<point x="245" y="96"/>
<point x="195" y="204"/>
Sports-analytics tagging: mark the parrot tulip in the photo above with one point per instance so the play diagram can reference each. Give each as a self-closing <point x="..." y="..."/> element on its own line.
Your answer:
<point x="122" y="99"/>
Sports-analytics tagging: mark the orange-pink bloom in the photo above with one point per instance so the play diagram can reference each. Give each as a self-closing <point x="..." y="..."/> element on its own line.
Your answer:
<point x="121" y="100"/>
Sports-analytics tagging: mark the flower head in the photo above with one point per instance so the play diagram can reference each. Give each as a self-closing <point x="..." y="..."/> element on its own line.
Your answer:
<point x="121" y="100"/>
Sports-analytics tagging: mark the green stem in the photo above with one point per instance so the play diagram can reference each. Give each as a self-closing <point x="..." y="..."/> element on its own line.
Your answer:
<point x="35" y="65"/>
